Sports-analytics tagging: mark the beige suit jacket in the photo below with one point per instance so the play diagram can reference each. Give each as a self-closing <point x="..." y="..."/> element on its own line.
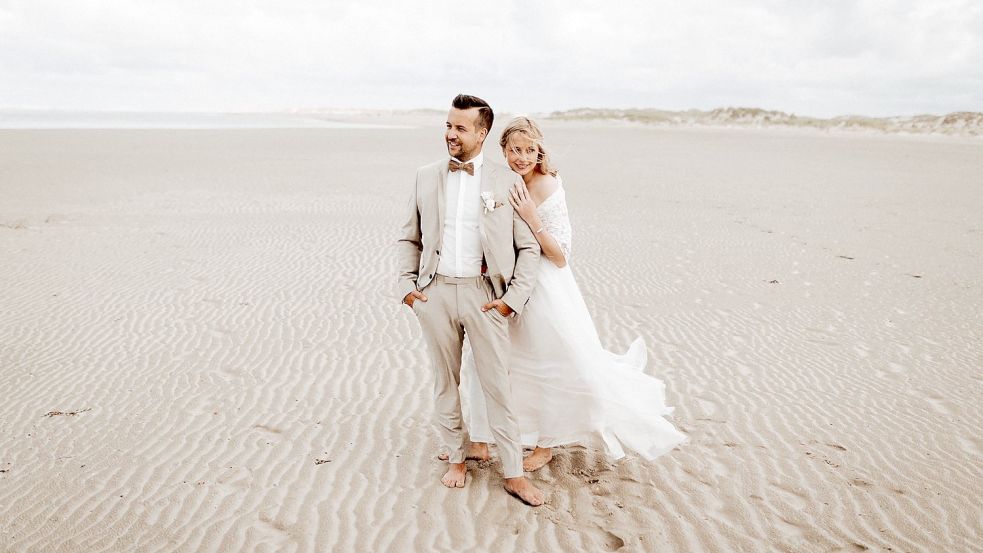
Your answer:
<point x="510" y="248"/>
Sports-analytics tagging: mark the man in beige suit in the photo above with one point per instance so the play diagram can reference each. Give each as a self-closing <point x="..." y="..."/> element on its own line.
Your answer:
<point x="467" y="262"/>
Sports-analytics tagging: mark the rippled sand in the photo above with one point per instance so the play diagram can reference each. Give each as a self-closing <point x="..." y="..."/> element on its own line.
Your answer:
<point x="200" y="349"/>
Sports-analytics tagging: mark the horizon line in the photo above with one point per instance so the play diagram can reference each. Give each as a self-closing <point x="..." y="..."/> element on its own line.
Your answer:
<point x="407" y="111"/>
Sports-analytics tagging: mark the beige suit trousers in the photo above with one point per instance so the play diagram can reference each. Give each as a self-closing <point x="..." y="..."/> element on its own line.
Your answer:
<point x="453" y="308"/>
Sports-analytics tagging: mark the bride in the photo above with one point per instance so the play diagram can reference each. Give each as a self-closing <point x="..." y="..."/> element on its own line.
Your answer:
<point x="567" y="389"/>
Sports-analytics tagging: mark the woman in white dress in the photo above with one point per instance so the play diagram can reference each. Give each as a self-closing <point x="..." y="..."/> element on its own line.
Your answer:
<point x="567" y="389"/>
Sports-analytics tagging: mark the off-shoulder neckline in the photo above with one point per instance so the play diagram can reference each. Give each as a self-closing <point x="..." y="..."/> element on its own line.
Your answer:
<point x="559" y="187"/>
<point x="552" y="195"/>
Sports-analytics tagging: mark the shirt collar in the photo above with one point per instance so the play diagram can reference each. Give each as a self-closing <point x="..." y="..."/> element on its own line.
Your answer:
<point x="476" y="160"/>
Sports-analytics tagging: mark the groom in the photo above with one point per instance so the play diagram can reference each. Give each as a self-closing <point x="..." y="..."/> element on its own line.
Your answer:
<point x="466" y="263"/>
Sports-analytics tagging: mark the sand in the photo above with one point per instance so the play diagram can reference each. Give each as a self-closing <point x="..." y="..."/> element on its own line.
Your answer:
<point x="200" y="347"/>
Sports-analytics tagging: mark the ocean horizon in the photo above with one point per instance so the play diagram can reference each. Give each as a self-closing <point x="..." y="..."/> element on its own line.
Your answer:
<point x="63" y="119"/>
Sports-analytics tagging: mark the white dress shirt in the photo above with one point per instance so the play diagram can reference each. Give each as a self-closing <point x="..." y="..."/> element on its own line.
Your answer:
<point x="460" y="251"/>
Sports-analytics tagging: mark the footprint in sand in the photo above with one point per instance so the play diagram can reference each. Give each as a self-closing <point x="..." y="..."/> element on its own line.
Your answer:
<point x="796" y="499"/>
<point x="19" y="224"/>
<point x="707" y="406"/>
<point x="233" y="479"/>
<point x="698" y="476"/>
<point x="825" y="337"/>
<point x="232" y="371"/>
<point x="860" y="483"/>
<point x="895" y="367"/>
<point x="790" y="530"/>
<point x="220" y="333"/>
<point x="272" y="531"/>
<point x="970" y="445"/>
<point x="611" y="541"/>
<point x="938" y="404"/>
<point x="270" y="429"/>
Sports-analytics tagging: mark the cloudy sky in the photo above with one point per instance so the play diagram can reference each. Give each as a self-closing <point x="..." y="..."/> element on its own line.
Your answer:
<point x="875" y="57"/>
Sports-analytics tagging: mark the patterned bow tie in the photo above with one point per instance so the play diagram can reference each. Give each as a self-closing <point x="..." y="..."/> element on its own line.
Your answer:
<point x="456" y="166"/>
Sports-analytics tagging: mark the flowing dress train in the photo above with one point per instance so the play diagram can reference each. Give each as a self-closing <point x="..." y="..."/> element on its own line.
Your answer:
<point x="566" y="388"/>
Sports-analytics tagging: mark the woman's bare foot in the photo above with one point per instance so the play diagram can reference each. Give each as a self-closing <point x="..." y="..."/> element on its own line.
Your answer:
<point x="455" y="475"/>
<point x="523" y="489"/>
<point x="477" y="451"/>
<point x="538" y="459"/>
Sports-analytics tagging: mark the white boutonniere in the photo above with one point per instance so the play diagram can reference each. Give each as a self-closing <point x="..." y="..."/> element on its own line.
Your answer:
<point x="488" y="200"/>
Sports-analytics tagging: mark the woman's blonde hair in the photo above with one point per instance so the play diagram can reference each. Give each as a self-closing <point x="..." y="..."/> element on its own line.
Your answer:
<point x="528" y="128"/>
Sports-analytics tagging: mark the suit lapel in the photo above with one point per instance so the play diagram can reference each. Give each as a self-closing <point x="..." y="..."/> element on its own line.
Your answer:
<point x="486" y="185"/>
<point x="441" y="201"/>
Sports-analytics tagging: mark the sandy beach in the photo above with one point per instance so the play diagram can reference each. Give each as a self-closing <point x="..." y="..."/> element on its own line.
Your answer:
<point x="201" y="349"/>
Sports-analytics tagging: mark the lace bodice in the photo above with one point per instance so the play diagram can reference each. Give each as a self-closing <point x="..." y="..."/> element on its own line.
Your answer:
<point x="556" y="221"/>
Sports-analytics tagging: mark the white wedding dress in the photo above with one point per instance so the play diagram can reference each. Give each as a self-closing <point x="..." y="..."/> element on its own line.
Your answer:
<point x="566" y="388"/>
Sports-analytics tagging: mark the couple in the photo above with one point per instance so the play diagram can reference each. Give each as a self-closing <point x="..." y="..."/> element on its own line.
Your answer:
<point x="483" y="263"/>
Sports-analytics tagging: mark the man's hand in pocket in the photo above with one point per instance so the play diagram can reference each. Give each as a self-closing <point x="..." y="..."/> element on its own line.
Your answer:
<point x="500" y="306"/>
<point x="413" y="296"/>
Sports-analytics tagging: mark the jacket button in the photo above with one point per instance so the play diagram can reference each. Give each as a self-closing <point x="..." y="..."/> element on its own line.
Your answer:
<point x="438" y="252"/>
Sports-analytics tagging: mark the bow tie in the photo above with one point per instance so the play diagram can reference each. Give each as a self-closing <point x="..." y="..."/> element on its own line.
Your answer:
<point x="456" y="166"/>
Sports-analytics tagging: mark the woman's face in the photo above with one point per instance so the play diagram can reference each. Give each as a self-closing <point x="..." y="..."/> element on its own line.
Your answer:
<point x="522" y="154"/>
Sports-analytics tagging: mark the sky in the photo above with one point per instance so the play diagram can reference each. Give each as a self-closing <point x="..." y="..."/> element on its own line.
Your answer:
<point x="819" y="58"/>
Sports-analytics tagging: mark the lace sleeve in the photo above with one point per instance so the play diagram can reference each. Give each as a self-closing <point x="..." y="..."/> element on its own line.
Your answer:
<point x="556" y="221"/>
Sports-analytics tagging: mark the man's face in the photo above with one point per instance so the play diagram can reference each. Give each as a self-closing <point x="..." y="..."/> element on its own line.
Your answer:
<point x="463" y="136"/>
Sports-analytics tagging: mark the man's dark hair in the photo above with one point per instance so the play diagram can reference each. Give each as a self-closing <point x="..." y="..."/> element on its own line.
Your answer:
<point x="486" y="117"/>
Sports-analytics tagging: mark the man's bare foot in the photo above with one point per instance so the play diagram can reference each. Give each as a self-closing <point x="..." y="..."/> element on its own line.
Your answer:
<point x="539" y="459"/>
<point x="455" y="475"/>
<point x="523" y="489"/>
<point x="477" y="451"/>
